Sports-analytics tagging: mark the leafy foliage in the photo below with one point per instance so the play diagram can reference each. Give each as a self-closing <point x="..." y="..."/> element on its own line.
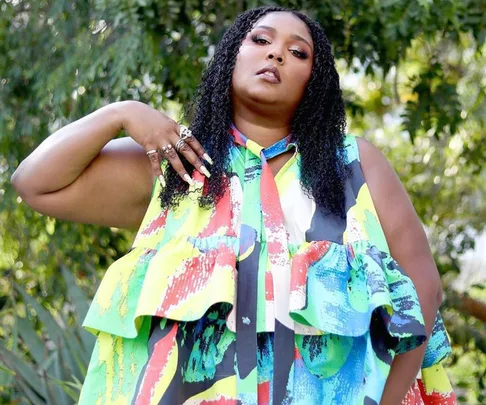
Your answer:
<point x="47" y="366"/>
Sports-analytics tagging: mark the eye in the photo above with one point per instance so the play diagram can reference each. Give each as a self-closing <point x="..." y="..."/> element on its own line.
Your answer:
<point x="259" y="39"/>
<point x="299" y="54"/>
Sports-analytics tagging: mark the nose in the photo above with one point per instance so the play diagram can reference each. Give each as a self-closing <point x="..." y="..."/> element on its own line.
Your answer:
<point x="275" y="55"/>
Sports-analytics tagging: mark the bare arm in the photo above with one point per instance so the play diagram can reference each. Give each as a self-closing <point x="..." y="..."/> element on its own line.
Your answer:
<point x="409" y="247"/>
<point x="80" y="173"/>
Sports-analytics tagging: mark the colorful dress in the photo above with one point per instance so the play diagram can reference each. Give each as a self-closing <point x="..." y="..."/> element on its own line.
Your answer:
<point x="263" y="299"/>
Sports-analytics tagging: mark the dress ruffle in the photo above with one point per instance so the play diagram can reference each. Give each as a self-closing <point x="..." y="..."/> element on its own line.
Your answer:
<point x="181" y="282"/>
<point x="188" y="275"/>
<point x="327" y="284"/>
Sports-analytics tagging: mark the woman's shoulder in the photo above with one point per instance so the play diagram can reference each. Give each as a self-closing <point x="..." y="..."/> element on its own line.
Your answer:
<point x="361" y="149"/>
<point x="368" y="162"/>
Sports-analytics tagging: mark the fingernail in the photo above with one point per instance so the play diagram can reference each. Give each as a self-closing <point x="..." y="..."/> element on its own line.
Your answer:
<point x="188" y="179"/>
<point x="205" y="171"/>
<point x="162" y="180"/>
<point x="207" y="159"/>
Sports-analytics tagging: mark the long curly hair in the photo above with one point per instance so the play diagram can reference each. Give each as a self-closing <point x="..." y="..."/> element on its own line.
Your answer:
<point x="318" y="124"/>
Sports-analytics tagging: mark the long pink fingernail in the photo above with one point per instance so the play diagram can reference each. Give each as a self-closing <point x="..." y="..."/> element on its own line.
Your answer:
<point x="162" y="180"/>
<point x="205" y="171"/>
<point x="207" y="158"/>
<point x="188" y="179"/>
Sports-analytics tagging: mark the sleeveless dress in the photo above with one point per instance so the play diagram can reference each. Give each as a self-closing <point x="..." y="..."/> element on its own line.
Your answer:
<point x="262" y="299"/>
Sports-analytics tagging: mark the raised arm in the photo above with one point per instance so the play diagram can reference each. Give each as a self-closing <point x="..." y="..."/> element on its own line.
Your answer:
<point x="80" y="173"/>
<point x="409" y="247"/>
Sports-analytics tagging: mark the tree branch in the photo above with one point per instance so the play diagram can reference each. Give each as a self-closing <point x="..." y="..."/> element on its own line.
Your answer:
<point x="465" y="304"/>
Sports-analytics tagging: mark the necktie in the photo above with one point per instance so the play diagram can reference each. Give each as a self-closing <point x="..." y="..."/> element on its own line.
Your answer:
<point x="277" y="275"/>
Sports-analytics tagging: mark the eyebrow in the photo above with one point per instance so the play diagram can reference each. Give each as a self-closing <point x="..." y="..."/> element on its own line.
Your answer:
<point x="293" y="36"/>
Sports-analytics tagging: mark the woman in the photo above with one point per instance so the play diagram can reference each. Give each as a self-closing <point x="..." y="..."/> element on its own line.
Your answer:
<point x="264" y="276"/>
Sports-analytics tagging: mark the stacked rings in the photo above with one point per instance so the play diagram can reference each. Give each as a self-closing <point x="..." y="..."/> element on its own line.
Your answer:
<point x="180" y="144"/>
<point x="184" y="134"/>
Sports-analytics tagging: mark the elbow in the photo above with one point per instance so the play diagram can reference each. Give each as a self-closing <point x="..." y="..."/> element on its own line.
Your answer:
<point x="20" y="186"/>
<point x="16" y="182"/>
<point x="429" y="290"/>
<point x="433" y="300"/>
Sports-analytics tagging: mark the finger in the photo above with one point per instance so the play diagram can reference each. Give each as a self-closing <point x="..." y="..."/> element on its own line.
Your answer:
<point x="183" y="148"/>
<point x="155" y="159"/>
<point x="194" y="144"/>
<point x="171" y="155"/>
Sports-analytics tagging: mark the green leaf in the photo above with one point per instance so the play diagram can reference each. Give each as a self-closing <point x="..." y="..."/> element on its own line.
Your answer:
<point x="73" y="390"/>
<point x="78" y="356"/>
<point x="47" y="362"/>
<point x="48" y="322"/>
<point x="23" y="370"/>
<point x="81" y="305"/>
<point x="6" y="370"/>
<point x="48" y="392"/>
<point x="31" y="340"/>
<point x="60" y="374"/>
<point x="29" y="393"/>
<point x="74" y="354"/>
<point x="6" y="376"/>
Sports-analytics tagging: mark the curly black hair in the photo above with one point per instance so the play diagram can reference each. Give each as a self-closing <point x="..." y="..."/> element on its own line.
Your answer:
<point x="318" y="124"/>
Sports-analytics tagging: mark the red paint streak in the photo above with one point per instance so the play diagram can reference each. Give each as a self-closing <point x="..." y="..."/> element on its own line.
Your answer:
<point x="413" y="396"/>
<point x="194" y="278"/>
<point x="157" y="223"/>
<point x="156" y="366"/>
<point x="417" y="395"/>
<point x="264" y="393"/>
<point x="297" y="355"/>
<point x="275" y="248"/>
<point x="273" y="217"/>
<point x="437" y="398"/>
<point x="273" y="214"/>
<point x="269" y="295"/>
<point x="220" y="401"/>
<point x="220" y="217"/>
<point x="351" y="249"/>
<point x="302" y="261"/>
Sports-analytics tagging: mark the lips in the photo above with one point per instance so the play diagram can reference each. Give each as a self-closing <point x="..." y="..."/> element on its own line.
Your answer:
<point x="269" y="69"/>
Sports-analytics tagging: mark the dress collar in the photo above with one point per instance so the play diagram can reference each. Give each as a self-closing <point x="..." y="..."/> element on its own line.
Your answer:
<point x="279" y="147"/>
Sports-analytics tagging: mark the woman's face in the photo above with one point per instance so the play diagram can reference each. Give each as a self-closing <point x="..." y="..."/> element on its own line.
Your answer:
<point x="280" y="41"/>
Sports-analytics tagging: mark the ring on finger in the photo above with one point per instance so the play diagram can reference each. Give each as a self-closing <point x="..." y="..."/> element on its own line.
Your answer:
<point x="185" y="133"/>
<point x="152" y="151"/>
<point x="166" y="149"/>
<point x="180" y="144"/>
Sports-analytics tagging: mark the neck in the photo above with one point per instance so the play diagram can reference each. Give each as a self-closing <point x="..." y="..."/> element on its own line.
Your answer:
<point x="263" y="130"/>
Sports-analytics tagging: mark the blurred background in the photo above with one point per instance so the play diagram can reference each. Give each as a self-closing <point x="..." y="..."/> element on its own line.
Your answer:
<point x="414" y="80"/>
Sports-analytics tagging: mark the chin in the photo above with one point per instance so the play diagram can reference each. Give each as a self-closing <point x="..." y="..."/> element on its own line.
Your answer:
<point x="263" y="96"/>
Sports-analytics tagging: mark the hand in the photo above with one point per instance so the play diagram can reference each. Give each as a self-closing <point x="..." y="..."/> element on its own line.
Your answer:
<point x="157" y="132"/>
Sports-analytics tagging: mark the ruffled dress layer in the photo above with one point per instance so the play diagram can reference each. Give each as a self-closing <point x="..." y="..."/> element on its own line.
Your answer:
<point x="261" y="300"/>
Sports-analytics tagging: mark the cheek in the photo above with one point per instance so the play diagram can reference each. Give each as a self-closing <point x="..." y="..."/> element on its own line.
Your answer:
<point x="302" y="77"/>
<point x="244" y="56"/>
<point x="237" y="71"/>
<point x="244" y="64"/>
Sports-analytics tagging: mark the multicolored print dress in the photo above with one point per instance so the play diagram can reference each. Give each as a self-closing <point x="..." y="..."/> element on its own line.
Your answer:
<point x="261" y="300"/>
